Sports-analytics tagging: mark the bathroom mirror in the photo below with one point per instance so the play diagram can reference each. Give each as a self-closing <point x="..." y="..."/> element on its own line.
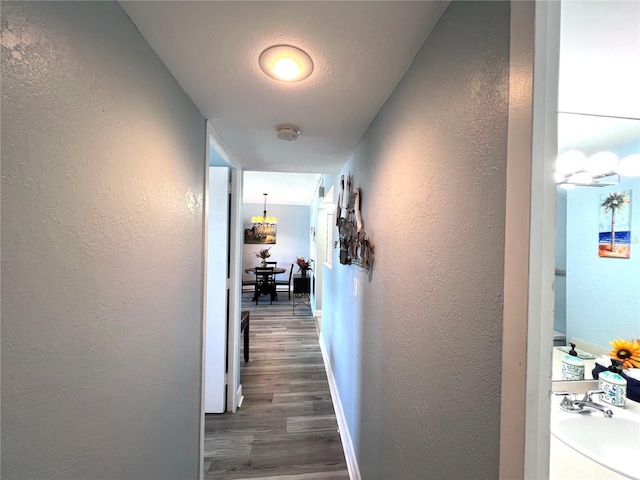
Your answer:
<point x="597" y="298"/>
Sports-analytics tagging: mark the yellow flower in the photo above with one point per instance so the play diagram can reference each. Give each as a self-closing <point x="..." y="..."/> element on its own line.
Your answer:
<point x="627" y="351"/>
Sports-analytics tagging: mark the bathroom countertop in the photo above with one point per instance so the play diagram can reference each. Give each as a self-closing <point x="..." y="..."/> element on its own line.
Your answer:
<point x="630" y="406"/>
<point x="579" y="387"/>
<point x="569" y="464"/>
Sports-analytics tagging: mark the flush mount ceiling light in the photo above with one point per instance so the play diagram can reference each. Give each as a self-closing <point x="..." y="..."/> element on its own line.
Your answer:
<point x="286" y="63"/>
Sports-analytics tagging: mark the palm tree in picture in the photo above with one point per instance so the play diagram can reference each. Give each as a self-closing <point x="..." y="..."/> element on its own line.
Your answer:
<point x="615" y="201"/>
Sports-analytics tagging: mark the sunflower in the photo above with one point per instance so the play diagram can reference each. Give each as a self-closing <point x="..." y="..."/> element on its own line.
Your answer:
<point x="627" y="351"/>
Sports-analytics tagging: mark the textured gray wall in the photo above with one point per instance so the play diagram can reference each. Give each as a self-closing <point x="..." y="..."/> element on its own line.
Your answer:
<point x="417" y="355"/>
<point x="102" y="182"/>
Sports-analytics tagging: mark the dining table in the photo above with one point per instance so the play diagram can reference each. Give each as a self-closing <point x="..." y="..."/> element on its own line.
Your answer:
<point x="276" y="270"/>
<point x="264" y="291"/>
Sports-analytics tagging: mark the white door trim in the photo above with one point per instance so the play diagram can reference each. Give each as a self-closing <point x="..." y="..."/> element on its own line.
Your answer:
<point x="213" y="141"/>
<point x="529" y="240"/>
<point x="203" y="326"/>
<point x="543" y="239"/>
<point x="235" y="291"/>
<point x="235" y="278"/>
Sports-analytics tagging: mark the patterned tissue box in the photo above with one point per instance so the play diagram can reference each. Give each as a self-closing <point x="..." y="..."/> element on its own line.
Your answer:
<point x="633" y="385"/>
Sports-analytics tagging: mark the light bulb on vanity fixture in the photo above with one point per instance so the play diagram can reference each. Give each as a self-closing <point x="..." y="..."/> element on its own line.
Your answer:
<point x="601" y="169"/>
<point x="629" y="166"/>
<point x="286" y="63"/>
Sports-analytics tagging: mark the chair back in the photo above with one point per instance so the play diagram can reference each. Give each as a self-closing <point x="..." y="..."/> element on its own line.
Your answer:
<point x="271" y="264"/>
<point x="290" y="273"/>
<point x="264" y="274"/>
<point x="265" y="283"/>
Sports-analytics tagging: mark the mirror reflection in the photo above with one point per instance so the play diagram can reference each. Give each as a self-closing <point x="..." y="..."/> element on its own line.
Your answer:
<point x="597" y="282"/>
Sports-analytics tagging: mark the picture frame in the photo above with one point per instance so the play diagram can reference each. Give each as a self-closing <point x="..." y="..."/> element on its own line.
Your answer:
<point x="260" y="233"/>
<point x="614" y="224"/>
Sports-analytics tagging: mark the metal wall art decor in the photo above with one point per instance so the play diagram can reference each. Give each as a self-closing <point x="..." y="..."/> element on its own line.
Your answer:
<point x="355" y="247"/>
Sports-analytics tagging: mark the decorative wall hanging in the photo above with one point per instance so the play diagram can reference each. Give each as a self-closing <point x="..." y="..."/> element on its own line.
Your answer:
<point x="263" y="233"/>
<point x="355" y="247"/>
<point x="615" y="224"/>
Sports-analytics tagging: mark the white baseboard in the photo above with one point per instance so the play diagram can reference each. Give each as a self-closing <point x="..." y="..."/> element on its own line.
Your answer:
<point x="345" y="436"/>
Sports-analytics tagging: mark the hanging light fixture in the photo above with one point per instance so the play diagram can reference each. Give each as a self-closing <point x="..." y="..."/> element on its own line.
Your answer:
<point x="264" y="221"/>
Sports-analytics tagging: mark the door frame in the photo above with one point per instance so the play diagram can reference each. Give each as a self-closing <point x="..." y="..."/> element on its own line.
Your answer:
<point x="235" y="266"/>
<point x="529" y="240"/>
<point x="234" y="389"/>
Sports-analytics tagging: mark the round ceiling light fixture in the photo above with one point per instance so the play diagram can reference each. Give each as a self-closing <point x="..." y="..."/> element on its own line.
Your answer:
<point x="287" y="132"/>
<point x="286" y="63"/>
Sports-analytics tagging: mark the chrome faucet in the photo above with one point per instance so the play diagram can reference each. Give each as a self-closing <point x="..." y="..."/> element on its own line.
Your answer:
<point x="571" y="404"/>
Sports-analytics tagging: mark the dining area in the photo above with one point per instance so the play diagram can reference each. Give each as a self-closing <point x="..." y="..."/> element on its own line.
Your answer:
<point x="265" y="281"/>
<point x="276" y="265"/>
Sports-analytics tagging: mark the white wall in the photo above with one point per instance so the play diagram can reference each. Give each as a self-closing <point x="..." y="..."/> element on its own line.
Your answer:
<point x="293" y="235"/>
<point x="102" y="187"/>
<point x="418" y="348"/>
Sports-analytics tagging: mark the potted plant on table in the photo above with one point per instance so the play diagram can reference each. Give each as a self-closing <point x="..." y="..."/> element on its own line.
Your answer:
<point x="264" y="254"/>
<point x="304" y="265"/>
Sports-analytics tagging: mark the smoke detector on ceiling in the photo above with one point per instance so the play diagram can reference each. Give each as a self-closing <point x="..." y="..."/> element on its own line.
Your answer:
<point x="287" y="132"/>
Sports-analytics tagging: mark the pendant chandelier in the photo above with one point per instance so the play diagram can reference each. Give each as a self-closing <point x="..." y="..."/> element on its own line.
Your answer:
<point x="264" y="219"/>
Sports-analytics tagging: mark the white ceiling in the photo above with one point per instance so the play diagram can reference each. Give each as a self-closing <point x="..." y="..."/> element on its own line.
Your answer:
<point x="360" y="50"/>
<point x="595" y="134"/>
<point x="282" y="188"/>
<point x="600" y="58"/>
<point x="599" y="75"/>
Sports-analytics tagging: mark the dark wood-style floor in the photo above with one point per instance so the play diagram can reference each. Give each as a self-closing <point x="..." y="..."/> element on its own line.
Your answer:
<point x="286" y="427"/>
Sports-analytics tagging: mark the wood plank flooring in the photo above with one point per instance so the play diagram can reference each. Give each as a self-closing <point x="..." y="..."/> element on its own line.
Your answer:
<point x="286" y="428"/>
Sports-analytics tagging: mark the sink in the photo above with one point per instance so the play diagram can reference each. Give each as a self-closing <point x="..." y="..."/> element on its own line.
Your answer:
<point x="612" y="442"/>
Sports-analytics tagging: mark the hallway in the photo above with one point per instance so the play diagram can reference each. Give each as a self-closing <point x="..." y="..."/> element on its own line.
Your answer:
<point x="286" y="427"/>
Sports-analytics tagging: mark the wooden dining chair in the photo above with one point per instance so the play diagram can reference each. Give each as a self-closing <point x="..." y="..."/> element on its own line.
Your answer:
<point x="285" y="283"/>
<point x="272" y="264"/>
<point x="249" y="284"/>
<point x="265" y="283"/>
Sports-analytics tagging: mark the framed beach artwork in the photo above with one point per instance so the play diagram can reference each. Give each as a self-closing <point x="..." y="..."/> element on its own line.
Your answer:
<point x="260" y="233"/>
<point x="615" y="225"/>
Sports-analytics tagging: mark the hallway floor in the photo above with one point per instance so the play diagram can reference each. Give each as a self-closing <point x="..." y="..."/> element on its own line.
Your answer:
<point x="286" y="428"/>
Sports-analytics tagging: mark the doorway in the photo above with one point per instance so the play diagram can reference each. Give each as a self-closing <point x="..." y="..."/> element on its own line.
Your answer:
<point x="222" y="254"/>
<point x="324" y="247"/>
